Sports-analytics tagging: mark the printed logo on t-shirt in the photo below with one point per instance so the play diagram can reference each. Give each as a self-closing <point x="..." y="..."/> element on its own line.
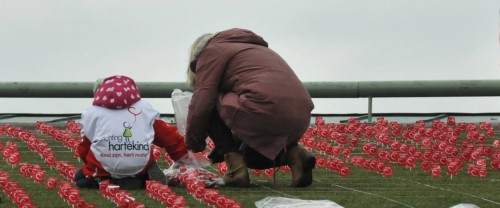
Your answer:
<point x="122" y="142"/>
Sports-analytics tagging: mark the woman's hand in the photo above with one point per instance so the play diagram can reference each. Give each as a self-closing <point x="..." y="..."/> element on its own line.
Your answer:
<point x="196" y="145"/>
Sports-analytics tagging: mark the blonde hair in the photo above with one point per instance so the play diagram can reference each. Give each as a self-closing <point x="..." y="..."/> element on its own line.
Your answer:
<point x="199" y="44"/>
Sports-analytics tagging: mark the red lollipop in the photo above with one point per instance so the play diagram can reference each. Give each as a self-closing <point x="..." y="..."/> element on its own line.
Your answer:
<point x="380" y="167"/>
<point x="319" y="121"/>
<point x="221" y="201"/>
<point x="256" y="172"/>
<point x="212" y="198"/>
<point x="366" y="147"/>
<point x="50" y="160"/>
<point x="222" y="168"/>
<point x="387" y="172"/>
<point x="14" y="158"/>
<point x="342" y="139"/>
<point x="436" y="171"/>
<point x="73" y="196"/>
<point x="118" y="197"/>
<point x="6" y="153"/>
<point x="425" y="165"/>
<point x="344" y="171"/>
<point x="21" y="196"/>
<point x="452" y="169"/>
<point x="25" y="205"/>
<point x="412" y="150"/>
<point x="450" y="121"/>
<point x="410" y="162"/>
<point x="373" y="151"/>
<point x="490" y="132"/>
<point x="235" y="205"/>
<point x="481" y="162"/>
<point x="269" y="172"/>
<point x="51" y="183"/>
<point x="346" y="152"/>
<point x="395" y="145"/>
<point x="473" y="170"/>
<point x="88" y="206"/>
<point x="168" y="159"/>
<point x="495" y="164"/>
<point x="229" y="203"/>
<point x="323" y="134"/>
<point x="483" y="172"/>
<point x="137" y="205"/>
<point x="125" y="202"/>
<point x="475" y="155"/>
<point x="39" y="176"/>
<point x="200" y="193"/>
<point x="320" y="162"/>
<point x="210" y="144"/>
<point x="112" y="190"/>
<point x="156" y="152"/>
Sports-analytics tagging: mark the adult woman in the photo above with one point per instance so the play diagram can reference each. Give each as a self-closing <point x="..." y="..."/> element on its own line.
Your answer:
<point x="251" y="104"/>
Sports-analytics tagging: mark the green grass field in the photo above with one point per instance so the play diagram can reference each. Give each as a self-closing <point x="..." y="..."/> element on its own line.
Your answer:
<point x="361" y="188"/>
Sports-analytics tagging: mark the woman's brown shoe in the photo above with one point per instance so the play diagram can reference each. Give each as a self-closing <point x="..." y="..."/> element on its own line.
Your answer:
<point x="237" y="172"/>
<point x="301" y="162"/>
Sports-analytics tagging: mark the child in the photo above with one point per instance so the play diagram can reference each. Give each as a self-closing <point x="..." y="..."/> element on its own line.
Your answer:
<point x="118" y="131"/>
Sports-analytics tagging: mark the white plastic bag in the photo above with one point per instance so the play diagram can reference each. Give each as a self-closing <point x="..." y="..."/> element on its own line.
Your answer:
<point x="465" y="205"/>
<point x="180" y="102"/>
<point x="282" y="202"/>
<point x="191" y="166"/>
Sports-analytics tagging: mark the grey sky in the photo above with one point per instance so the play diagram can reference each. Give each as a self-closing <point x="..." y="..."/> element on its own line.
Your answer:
<point x="323" y="40"/>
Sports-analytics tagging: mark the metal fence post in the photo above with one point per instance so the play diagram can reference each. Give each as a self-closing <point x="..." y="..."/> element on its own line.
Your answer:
<point x="370" y="100"/>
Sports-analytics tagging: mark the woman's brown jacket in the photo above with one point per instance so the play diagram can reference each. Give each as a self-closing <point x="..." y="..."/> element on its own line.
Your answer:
<point x="257" y="94"/>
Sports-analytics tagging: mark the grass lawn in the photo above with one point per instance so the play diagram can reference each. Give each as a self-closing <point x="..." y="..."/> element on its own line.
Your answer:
<point x="361" y="188"/>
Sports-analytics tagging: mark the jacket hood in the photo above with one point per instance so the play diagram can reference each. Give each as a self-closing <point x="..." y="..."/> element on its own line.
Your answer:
<point x="237" y="35"/>
<point x="116" y="92"/>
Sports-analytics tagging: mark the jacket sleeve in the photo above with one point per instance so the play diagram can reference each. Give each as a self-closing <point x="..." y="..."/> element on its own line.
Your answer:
<point x="83" y="149"/>
<point x="167" y="136"/>
<point x="210" y="69"/>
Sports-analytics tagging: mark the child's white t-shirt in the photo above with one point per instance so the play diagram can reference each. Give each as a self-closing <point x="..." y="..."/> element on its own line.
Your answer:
<point x="120" y="138"/>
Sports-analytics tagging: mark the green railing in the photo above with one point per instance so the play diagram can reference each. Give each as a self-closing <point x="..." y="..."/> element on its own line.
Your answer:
<point x="355" y="89"/>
